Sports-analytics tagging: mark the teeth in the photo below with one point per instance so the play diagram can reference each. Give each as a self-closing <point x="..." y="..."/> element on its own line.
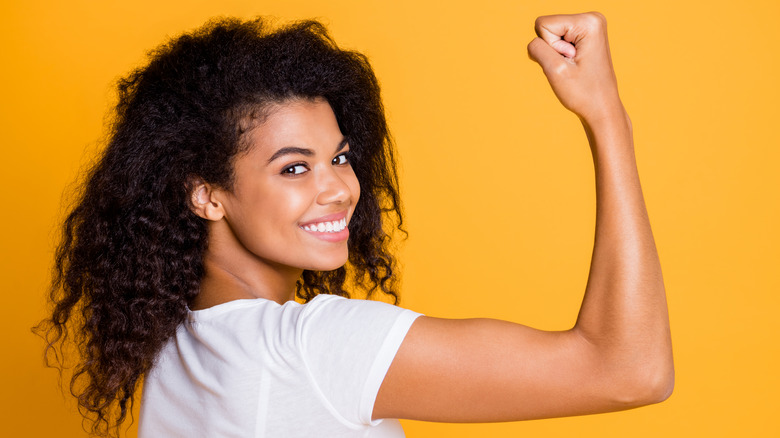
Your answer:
<point x="327" y="227"/>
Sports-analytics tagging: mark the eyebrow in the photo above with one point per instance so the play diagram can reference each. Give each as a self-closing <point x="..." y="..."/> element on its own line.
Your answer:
<point x="289" y="150"/>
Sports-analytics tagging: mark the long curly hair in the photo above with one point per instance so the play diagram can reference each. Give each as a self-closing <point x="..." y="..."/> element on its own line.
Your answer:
<point x="130" y="257"/>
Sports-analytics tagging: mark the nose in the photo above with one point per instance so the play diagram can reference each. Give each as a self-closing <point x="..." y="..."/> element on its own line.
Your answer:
<point x="332" y="188"/>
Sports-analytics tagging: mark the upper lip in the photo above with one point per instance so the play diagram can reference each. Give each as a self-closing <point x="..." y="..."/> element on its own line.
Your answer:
<point x="329" y="218"/>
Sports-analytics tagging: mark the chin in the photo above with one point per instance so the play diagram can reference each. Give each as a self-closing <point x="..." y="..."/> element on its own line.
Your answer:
<point x="328" y="264"/>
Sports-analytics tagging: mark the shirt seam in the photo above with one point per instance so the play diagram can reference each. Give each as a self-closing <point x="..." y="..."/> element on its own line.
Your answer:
<point x="392" y="342"/>
<point x="310" y="376"/>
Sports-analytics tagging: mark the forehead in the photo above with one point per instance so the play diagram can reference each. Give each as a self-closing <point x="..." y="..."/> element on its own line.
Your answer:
<point x="300" y="122"/>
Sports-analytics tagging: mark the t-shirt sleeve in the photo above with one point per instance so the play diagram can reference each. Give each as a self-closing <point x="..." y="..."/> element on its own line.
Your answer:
<point x="347" y="346"/>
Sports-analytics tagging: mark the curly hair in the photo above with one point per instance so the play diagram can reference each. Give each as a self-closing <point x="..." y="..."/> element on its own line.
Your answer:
<point x="130" y="257"/>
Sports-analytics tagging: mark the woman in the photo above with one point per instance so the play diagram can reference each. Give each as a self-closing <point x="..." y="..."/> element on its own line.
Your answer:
<point x="247" y="167"/>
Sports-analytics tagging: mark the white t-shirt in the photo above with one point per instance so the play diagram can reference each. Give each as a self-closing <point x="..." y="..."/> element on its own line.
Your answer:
<point x="255" y="368"/>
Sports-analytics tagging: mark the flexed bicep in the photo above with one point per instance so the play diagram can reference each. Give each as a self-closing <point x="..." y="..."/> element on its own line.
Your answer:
<point x="484" y="370"/>
<point x="618" y="354"/>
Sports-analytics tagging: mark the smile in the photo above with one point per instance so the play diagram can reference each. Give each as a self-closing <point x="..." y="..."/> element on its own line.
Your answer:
<point x="327" y="227"/>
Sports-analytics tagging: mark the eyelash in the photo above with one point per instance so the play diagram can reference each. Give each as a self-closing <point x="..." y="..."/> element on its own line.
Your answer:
<point x="290" y="170"/>
<point x="346" y="156"/>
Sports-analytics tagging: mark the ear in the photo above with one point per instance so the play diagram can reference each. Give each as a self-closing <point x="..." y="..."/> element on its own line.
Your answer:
<point x="203" y="201"/>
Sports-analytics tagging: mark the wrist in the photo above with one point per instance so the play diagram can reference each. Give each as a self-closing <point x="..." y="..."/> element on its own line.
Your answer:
<point x="607" y="117"/>
<point x="610" y="131"/>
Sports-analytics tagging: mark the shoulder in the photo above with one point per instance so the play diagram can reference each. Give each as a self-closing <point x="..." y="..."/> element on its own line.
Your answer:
<point x="324" y="315"/>
<point x="343" y="315"/>
<point x="347" y="345"/>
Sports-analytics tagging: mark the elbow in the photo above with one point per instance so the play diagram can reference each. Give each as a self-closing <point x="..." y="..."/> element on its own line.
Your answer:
<point x="666" y="387"/>
<point x="631" y="375"/>
<point x="646" y="385"/>
<point x="658" y="386"/>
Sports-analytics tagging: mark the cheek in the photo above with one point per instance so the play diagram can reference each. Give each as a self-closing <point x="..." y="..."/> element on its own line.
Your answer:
<point x="354" y="188"/>
<point x="268" y="215"/>
<point x="355" y="193"/>
<point x="291" y="202"/>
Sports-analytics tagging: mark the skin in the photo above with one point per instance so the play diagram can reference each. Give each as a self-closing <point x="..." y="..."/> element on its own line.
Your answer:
<point x="617" y="356"/>
<point x="295" y="172"/>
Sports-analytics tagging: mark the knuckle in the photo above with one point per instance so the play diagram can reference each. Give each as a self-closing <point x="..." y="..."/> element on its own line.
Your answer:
<point x="538" y="23"/>
<point x="595" y="19"/>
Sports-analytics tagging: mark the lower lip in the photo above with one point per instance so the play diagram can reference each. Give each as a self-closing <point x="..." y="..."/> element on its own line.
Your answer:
<point x="330" y="237"/>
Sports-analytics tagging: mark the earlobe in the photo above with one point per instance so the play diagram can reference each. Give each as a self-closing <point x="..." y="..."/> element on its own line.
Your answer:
<point x="203" y="202"/>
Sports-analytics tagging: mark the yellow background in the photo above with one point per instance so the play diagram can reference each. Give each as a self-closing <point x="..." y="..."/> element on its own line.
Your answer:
<point x="497" y="179"/>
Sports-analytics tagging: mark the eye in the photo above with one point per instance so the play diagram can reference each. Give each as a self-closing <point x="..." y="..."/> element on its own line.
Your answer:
<point x="340" y="159"/>
<point x="295" y="169"/>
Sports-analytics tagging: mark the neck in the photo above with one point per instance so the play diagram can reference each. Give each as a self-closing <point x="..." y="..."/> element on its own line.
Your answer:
<point x="234" y="273"/>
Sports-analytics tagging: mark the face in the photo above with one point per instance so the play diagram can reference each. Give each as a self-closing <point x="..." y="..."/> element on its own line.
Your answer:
<point x="294" y="190"/>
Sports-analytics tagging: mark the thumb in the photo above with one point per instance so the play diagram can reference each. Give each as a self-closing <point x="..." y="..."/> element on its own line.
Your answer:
<point x="565" y="48"/>
<point x="546" y="55"/>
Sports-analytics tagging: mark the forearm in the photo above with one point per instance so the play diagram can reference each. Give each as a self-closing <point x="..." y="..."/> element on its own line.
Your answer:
<point x="624" y="312"/>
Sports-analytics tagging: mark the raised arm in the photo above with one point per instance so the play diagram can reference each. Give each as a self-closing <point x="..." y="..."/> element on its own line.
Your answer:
<point x="618" y="355"/>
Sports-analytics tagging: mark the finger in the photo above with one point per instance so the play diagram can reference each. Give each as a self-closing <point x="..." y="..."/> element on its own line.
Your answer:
<point x="565" y="48"/>
<point x="573" y="29"/>
<point x="554" y="31"/>
<point x="545" y="55"/>
<point x="552" y="28"/>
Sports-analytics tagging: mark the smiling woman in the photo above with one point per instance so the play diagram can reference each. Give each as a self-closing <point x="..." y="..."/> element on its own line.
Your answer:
<point x="249" y="180"/>
<point x="293" y="195"/>
<point x="227" y="144"/>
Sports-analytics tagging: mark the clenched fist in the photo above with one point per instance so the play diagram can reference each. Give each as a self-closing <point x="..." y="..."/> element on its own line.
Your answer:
<point x="573" y="52"/>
